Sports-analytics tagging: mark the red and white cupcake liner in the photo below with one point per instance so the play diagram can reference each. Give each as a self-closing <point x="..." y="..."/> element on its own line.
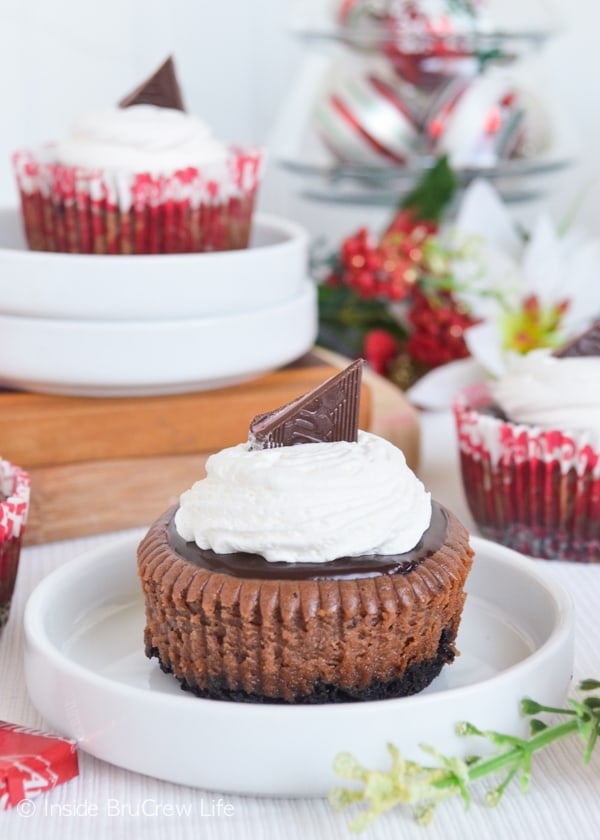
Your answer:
<point x="77" y="210"/>
<point x="15" y="488"/>
<point x="535" y="490"/>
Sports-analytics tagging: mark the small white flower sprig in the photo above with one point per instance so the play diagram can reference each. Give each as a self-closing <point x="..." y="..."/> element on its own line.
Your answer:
<point x="422" y="787"/>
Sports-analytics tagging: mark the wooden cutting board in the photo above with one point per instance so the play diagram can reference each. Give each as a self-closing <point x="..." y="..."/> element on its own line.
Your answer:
<point x="100" y="465"/>
<point x="39" y="430"/>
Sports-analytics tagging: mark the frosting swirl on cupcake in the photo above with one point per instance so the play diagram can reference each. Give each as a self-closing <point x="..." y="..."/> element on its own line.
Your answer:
<point x="543" y="390"/>
<point x="141" y="138"/>
<point x="311" y="503"/>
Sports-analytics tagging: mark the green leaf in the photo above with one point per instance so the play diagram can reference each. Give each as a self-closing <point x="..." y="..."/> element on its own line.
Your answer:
<point x="347" y="341"/>
<point x="466" y="6"/>
<point x="339" y="303"/>
<point x="590" y="745"/>
<point x="345" y="318"/>
<point x="485" y="56"/>
<point x="433" y="193"/>
<point x="580" y="709"/>
<point x="589" y="685"/>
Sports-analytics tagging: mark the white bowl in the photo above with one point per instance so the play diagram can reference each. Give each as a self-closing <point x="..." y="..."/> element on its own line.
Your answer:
<point x="137" y="358"/>
<point x="86" y="671"/>
<point x="146" y="287"/>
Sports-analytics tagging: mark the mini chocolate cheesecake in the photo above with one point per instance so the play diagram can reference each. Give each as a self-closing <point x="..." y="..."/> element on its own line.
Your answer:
<point x="236" y="626"/>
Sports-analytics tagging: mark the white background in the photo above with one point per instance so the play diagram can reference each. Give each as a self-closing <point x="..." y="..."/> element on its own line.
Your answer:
<point x="237" y="62"/>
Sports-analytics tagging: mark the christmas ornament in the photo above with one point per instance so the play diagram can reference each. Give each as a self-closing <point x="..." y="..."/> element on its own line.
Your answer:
<point x="364" y="120"/>
<point x="426" y="41"/>
<point x="427" y="45"/>
<point x="477" y="123"/>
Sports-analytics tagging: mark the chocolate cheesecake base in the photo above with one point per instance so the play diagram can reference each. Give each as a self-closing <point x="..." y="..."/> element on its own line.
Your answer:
<point x="305" y="640"/>
<point x="414" y="679"/>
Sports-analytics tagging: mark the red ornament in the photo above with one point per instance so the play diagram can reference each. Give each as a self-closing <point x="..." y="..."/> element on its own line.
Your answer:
<point x="426" y="51"/>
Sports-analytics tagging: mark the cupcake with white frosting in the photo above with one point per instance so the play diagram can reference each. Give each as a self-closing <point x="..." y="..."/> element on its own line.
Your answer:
<point x="310" y="565"/>
<point x="530" y="452"/>
<point x="142" y="178"/>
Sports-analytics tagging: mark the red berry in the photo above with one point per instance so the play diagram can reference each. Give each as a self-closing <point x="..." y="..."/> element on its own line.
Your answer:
<point x="379" y="348"/>
<point x="438" y="329"/>
<point x="365" y="283"/>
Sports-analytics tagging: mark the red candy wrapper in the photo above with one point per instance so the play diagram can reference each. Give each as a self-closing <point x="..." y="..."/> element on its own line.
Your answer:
<point x="32" y="762"/>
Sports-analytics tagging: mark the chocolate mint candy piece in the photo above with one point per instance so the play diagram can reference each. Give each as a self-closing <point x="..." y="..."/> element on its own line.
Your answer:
<point x="161" y="89"/>
<point x="586" y="344"/>
<point x="326" y="414"/>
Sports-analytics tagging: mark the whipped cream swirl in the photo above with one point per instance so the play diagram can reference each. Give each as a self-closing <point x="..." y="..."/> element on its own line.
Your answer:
<point x="310" y="503"/>
<point x="560" y="393"/>
<point x="142" y="138"/>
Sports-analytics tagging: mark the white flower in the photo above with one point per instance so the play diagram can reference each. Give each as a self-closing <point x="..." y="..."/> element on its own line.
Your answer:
<point x="501" y="271"/>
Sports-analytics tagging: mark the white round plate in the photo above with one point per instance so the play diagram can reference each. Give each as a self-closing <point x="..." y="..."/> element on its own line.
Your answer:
<point x="146" y="287"/>
<point x="139" y="358"/>
<point x="89" y="678"/>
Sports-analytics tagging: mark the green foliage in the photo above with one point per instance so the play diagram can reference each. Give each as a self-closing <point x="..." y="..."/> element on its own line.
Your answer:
<point x="433" y="193"/>
<point x="466" y="6"/>
<point x="422" y="787"/>
<point x="345" y="318"/>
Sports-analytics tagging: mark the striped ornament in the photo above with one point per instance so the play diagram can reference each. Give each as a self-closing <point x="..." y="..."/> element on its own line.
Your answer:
<point x="364" y="121"/>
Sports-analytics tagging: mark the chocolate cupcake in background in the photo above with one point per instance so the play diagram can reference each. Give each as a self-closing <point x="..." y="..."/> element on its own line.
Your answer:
<point x="530" y="452"/>
<point x="142" y="178"/>
<point x="310" y="565"/>
<point x="14" y="506"/>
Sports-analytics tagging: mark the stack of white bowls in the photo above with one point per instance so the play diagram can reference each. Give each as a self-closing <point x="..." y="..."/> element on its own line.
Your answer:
<point x="152" y="324"/>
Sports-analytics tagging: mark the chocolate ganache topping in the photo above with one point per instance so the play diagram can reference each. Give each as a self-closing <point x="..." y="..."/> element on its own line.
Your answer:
<point x="244" y="565"/>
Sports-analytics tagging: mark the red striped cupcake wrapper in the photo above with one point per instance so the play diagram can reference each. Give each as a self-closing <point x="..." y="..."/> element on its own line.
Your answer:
<point x="15" y="488"/>
<point x="77" y="210"/>
<point x="535" y="490"/>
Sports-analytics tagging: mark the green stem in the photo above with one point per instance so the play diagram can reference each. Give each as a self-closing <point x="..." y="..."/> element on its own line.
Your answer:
<point x="423" y="787"/>
<point x="493" y="764"/>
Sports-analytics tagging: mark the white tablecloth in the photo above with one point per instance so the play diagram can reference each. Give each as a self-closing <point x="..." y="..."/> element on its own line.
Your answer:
<point x="108" y="802"/>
